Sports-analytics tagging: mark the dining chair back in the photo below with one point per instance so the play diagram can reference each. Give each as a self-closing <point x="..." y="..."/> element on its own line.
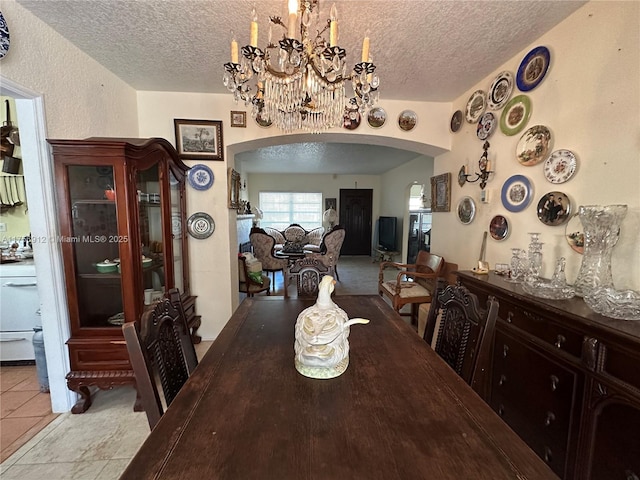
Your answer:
<point x="330" y="249"/>
<point x="263" y="244"/>
<point x="160" y="349"/>
<point x="308" y="271"/>
<point x="414" y="283"/>
<point x="465" y="333"/>
<point x="251" y="284"/>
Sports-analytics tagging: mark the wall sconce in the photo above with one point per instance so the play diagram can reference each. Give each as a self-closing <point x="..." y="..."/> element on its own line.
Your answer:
<point x="485" y="170"/>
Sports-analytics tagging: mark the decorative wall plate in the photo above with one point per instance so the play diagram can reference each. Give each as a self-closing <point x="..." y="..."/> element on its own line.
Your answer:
<point x="376" y="117"/>
<point x="200" y="177"/>
<point x="554" y="208"/>
<point x="574" y="233"/>
<point x="486" y="126"/>
<point x="200" y="225"/>
<point x="560" y="166"/>
<point x="351" y="119"/>
<point x="5" y="39"/>
<point x="500" y="90"/>
<point x="407" y="120"/>
<point x="516" y="193"/>
<point x="475" y="106"/>
<point x="533" y="68"/>
<point x="466" y="210"/>
<point x="515" y="115"/>
<point x="534" y="146"/>
<point x="499" y="227"/>
<point x="456" y="121"/>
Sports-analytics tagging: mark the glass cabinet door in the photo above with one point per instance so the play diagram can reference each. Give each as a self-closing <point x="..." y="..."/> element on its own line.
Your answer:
<point x="151" y="235"/>
<point x="95" y="241"/>
<point x="177" y="231"/>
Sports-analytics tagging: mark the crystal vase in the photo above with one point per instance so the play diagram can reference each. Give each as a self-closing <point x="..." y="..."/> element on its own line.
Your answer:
<point x="601" y="229"/>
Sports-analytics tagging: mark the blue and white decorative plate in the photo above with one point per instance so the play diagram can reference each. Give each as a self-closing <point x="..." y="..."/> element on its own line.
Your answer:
<point x="533" y="68"/>
<point x="516" y="193"/>
<point x="4" y="36"/>
<point x="200" y="177"/>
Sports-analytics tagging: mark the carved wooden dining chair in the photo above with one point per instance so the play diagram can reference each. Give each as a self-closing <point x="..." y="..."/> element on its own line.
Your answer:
<point x="308" y="272"/>
<point x="465" y="333"/>
<point x="160" y="350"/>
<point x="414" y="283"/>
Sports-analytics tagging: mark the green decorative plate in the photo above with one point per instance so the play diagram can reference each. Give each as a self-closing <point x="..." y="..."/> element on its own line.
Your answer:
<point x="515" y="115"/>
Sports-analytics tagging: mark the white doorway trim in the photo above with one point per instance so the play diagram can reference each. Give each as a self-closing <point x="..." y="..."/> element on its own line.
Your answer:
<point x="38" y="169"/>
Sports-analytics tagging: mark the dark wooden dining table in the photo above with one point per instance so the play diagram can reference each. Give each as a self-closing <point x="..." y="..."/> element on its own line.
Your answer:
<point x="398" y="412"/>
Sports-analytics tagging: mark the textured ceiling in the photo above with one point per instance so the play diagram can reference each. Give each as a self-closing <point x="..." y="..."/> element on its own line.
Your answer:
<point x="425" y="50"/>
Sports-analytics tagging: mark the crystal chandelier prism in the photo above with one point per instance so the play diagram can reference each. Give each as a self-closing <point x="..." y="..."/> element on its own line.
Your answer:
<point x="299" y="82"/>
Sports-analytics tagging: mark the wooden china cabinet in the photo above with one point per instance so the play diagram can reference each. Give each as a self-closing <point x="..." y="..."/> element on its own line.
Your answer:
<point x="122" y="205"/>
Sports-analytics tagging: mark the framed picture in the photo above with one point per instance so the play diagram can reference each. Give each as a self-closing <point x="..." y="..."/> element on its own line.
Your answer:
<point x="234" y="189"/>
<point x="330" y="203"/>
<point x="199" y="139"/>
<point x="441" y="193"/>
<point x="238" y="119"/>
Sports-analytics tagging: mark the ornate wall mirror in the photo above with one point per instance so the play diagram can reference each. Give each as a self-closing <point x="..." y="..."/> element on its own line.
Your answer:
<point x="234" y="189"/>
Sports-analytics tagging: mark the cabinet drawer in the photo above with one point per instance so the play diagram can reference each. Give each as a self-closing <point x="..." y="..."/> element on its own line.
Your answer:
<point x="535" y="397"/>
<point x="99" y="356"/>
<point x="540" y="327"/>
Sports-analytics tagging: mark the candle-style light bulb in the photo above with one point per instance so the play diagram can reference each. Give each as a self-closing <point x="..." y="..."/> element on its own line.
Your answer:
<point x="234" y="49"/>
<point x="254" y="28"/>
<point x="365" y="47"/>
<point x="333" y="26"/>
<point x="293" y="17"/>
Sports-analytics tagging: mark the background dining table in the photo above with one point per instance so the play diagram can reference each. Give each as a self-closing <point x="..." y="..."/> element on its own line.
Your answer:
<point x="398" y="412"/>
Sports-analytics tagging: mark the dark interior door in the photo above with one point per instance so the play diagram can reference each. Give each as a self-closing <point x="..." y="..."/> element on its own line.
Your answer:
<point x="355" y="216"/>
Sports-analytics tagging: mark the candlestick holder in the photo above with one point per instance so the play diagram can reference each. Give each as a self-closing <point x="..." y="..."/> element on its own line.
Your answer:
<point x="482" y="176"/>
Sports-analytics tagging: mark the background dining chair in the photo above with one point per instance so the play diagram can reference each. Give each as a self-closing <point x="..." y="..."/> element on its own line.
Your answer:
<point x="263" y="244"/>
<point x="465" y="333"/>
<point x="248" y="284"/>
<point x="308" y="272"/>
<point x="414" y="283"/>
<point x="330" y="249"/>
<point x="160" y="347"/>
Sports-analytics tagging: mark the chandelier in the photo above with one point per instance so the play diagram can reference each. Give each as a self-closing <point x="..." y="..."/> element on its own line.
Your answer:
<point x="298" y="83"/>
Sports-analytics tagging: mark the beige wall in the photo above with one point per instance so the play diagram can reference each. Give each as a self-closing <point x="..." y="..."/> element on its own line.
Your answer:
<point x="82" y="98"/>
<point x="590" y="100"/>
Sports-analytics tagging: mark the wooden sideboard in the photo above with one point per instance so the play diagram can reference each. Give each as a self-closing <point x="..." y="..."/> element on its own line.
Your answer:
<point x="566" y="379"/>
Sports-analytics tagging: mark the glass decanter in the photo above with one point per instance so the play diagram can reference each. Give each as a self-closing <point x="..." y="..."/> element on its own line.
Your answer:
<point x="601" y="229"/>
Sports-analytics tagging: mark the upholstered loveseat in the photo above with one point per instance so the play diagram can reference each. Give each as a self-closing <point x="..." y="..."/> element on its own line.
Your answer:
<point x="295" y="233"/>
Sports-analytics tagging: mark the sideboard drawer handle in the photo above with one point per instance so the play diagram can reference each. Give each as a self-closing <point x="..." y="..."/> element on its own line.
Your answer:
<point x="548" y="455"/>
<point x="554" y="382"/>
<point x="550" y="418"/>
<point x="505" y="350"/>
<point x="501" y="410"/>
<point x="509" y="317"/>
<point x="560" y="339"/>
<point x="503" y="379"/>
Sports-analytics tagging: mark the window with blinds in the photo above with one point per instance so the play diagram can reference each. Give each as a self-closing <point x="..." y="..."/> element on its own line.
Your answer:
<point x="281" y="209"/>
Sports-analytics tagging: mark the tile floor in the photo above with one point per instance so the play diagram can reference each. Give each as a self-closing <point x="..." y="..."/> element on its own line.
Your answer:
<point x="98" y="444"/>
<point x="24" y="409"/>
